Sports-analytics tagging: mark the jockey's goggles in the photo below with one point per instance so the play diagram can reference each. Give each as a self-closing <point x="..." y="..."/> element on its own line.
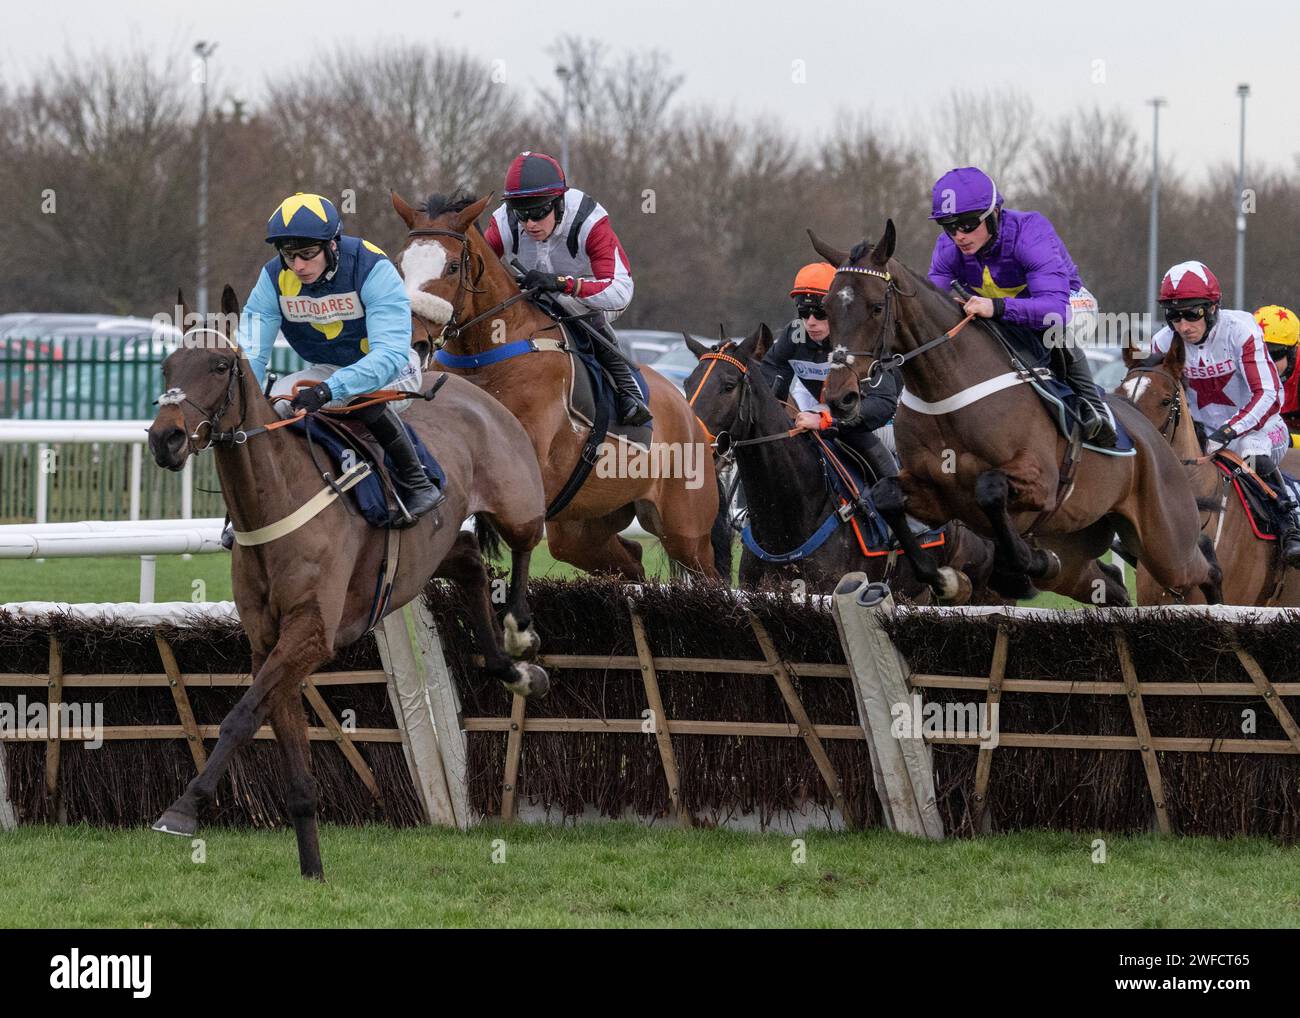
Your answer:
<point x="1192" y="314"/>
<point x="290" y="254"/>
<point x="811" y="309"/>
<point x="967" y="222"/>
<point x="529" y="215"/>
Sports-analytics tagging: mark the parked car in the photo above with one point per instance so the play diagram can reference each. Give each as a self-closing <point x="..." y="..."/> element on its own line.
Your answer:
<point x="642" y="346"/>
<point x="677" y="362"/>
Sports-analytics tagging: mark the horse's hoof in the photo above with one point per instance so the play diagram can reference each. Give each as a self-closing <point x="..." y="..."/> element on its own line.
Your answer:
<point x="530" y="680"/>
<point x="955" y="586"/>
<point x="521" y="644"/>
<point x="1012" y="586"/>
<point x="177" y="823"/>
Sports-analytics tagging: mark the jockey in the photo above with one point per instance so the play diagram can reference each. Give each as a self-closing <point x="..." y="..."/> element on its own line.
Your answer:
<point x="1233" y="385"/>
<point x="342" y="306"/>
<point x="564" y="243"/>
<point x="1022" y="276"/>
<point x="1281" y="331"/>
<point x="797" y="365"/>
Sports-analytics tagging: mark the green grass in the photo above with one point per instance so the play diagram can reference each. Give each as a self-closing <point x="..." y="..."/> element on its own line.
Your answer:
<point x="92" y="580"/>
<point x="118" y="579"/>
<point x="628" y="875"/>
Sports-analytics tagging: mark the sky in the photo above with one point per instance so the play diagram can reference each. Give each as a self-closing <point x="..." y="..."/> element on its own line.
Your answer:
<point x="894" y="61"/>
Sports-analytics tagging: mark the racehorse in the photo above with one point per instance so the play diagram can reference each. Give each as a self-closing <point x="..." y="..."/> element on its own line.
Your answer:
<point x="791" y="508"/>
<point x="459" y="286"/>
<point x="1253" y="573"/>
<point x="305" y="582"/>
<point x="977" y="445"/>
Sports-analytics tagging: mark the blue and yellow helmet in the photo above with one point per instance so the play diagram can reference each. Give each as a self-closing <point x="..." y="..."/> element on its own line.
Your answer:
<point x="306" y="217"/>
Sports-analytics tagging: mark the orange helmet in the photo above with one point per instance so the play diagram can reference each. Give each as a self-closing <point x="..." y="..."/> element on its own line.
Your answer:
<point x="814" y="278"/>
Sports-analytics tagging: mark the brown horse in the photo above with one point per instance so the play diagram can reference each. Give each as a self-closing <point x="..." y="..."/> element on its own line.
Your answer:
<point x="991" y="456"/>
<point x="308" y="592"/>
<point x="1253" y="573"/>
<point x="451" y="269"/>
<point x="790" y="507"/>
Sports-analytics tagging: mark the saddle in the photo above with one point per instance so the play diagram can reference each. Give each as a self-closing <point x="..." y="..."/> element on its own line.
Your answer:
<point x="344" y="439"/>
<point x="1267" y="519"/>
<point x="1027" y="355"/>
<point x="878" y="539"/>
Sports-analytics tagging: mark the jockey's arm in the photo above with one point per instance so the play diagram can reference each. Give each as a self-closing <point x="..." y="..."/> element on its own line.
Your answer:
<point x="259" y="324"/>
<point x="879" y="404"/>
<point x="775" y="364"/>
<point x="610" y="287"/>
<point x="493" y="236"/>
<point x="388" y="331"/>
<point x="1257" y="369"/>
<point x="944" y="263"/>
<point x="1048" y="282"/>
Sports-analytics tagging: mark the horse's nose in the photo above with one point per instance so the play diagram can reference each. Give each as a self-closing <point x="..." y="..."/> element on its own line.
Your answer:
<point x="168" y="448"/>
<point x="845" y="404"/>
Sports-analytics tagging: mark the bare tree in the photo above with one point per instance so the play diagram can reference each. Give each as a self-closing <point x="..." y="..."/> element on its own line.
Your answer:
<point x="992" y="129"/>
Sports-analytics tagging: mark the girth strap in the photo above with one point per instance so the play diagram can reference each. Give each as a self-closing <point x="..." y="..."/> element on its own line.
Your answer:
<point x="306" y="512"/>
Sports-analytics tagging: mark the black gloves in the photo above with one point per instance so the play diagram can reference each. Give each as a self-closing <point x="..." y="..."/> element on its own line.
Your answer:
<point x="1223" y="436"/>
<point x="312" y="399"/>
<point x="542" y="282"/>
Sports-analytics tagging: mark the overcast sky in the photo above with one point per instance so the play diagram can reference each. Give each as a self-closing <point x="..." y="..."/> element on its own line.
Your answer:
<point x="894" y="60"/>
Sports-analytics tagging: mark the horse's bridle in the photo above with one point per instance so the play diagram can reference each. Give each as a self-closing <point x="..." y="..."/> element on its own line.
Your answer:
<point x="882" y="360"/>
<point x="1175" y="416"/>
<point x="466" y="286"/>
<point x="236" y="435"/>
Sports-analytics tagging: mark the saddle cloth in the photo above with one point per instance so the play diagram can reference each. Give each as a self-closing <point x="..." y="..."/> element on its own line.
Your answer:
<point x="1025" y="346"/>
<point x="1267" y="519"/>
<point x="368" y="496"/>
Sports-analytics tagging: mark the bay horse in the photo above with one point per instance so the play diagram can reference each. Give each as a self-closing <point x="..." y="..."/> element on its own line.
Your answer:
<point x="977" y="445"/>
<point x="461" y="288"/>
<point x="790" y="507"/>
<point x="1253" y="573"/>
<point x="307" y="593"/>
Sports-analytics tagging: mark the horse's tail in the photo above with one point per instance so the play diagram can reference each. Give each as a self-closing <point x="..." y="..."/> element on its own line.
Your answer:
<point x="489" y="540"/>
<point x="720" y="535"/>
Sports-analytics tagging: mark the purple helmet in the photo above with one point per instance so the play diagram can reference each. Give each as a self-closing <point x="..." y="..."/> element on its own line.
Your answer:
<point x="965" y="189"/>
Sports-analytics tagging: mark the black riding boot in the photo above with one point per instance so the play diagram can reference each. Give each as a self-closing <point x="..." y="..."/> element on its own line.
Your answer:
<point x="1289" y="539"/>
<point x="631" y="409"/>
<point x="1097" y="423"/>
<point x="867" y="444"/>
<point x="418" y="494"/>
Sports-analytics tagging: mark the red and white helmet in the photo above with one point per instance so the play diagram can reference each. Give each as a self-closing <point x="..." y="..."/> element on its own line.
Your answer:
<point x="1190" y="282"/>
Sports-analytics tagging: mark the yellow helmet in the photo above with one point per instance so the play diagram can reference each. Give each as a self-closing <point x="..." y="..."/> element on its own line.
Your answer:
<point x="1281" y="326"/>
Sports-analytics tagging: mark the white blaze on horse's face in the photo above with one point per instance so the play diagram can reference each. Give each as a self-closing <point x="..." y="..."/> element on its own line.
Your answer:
<point x="846" y="295"/>
<point x="424" y="263"/>
<point x="1135" y="387"/>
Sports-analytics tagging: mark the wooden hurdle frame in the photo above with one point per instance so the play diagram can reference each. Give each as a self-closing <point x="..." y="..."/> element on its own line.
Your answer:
<point x="434" y="734"/>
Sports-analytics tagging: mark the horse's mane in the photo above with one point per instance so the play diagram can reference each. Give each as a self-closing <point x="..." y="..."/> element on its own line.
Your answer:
<point x="440" y="204"/>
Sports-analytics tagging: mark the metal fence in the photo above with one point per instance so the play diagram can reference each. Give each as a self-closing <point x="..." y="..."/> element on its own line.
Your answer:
<point x="92" y="379"/>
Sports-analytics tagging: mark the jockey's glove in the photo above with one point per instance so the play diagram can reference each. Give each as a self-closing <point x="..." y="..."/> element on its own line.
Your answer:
<point x="542" y="282"/>
<point x="1221" y="437"/>
<point x="312" y="399"/>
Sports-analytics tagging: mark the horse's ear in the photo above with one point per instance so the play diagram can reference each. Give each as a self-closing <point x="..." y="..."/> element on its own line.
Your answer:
<point x="833" y="255"/>
<point x="884" y="249"/>
<point x="182" y="310"/>
<point x="1132" y="356"/>
<point x="1176" y="358"/>
<point x="467" y="218"/>
<point x="694" y="345"/>
<point x="229" y="302"/>
<point x="404" y="210"/>
<point x="762" y="341"/>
